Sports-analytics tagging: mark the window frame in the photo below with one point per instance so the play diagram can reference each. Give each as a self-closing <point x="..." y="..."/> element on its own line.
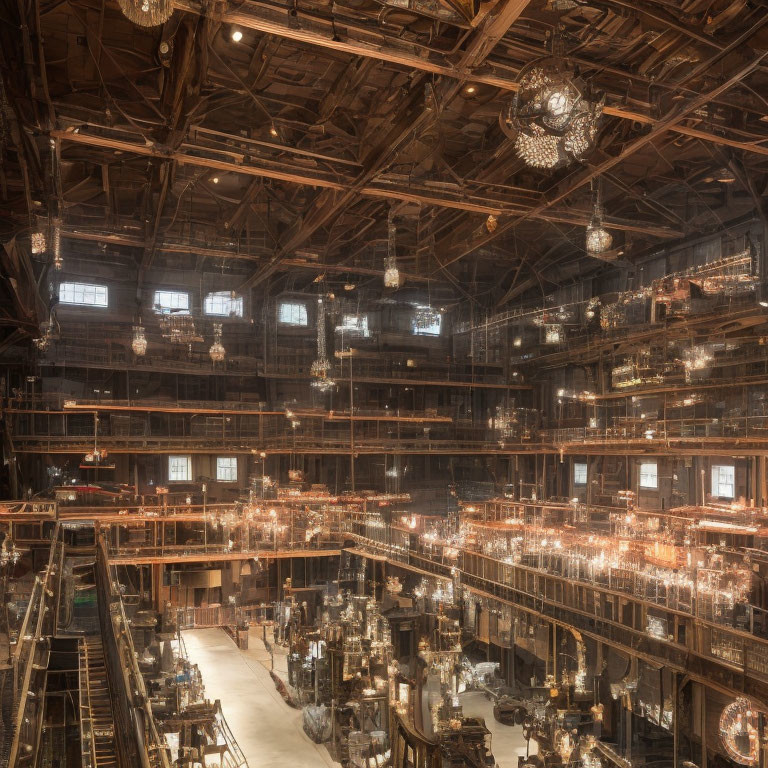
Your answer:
<point x="188" y="474"/>
<point x="161" y="309"/>
<point x="83" y="289"/>
<point x="360" y="329"/>
<point x="431" y="334"/>
<point x="716" y="483"/>
<point x="226" y="299"/>
<point x="577" y="466"/>
<point x="294" y="304"/>
<point x="227" y="469"/>
<point x="641" y="474"/>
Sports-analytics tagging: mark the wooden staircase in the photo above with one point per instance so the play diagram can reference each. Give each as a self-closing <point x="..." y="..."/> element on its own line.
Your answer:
<point x="96" y="704"/>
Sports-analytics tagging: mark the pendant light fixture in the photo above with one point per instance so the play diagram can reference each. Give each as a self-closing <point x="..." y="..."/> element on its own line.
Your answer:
<point x="217" y="351"/>
<point x="598" y="240"/>
<point x="321" y="367"/>
<point x="550" y="118"/>
<point x="147" y="13"/>
<point x="391" y="272"/>
<point x="139" y="341"/>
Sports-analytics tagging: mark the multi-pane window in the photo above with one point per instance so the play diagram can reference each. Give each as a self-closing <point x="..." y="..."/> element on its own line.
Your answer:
<point x="723" y="481"/>
<point x="426" y="322"/>
<point x="649" y="474"/>
<point x="292" y="313"/>
<point x="179" y="469"/>
<point x="354" y="324"/>
<point x="579" y="473"/>
<point x="223" y="304"/>
<point x="84" y="294"/>
<point x="226" y="469"/>
<point x="167" y="302"/>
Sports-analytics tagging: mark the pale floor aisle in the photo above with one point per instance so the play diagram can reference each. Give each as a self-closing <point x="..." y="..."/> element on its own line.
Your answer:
<point x="268" y="731"/>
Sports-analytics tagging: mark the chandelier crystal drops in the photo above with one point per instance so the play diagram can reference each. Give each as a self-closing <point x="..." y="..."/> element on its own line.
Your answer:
<point x="9" y="554"/>
<point x="139" y="341"/>
<point x="553" y="121"/>
<point x="598" y="239"/>
<point x="217" y="351"/>
<point x="147" y="13"/>
<point x="321" y="367"/>
<point x="38" y="242"/>
<point x="391" y="272"/>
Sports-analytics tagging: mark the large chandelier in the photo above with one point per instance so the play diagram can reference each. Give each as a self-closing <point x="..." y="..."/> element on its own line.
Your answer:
<point x="321" y="367"/>
<point x="217" y="351"/>
<point x="598" y="239"/>
<point x="139" y="341"/>
<point x="553" y="121"/>
<point x="391" y="272"/>
<point x="147" y="13"/>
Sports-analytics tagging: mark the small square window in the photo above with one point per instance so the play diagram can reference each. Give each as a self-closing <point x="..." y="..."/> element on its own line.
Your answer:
<point x="354" y="324"/>
<point x="293" y="313"/>
<point x="171" y="302"/>
<point x="579" y="473"/>
<point x="83" y="294"/>
<point x="226" y="469"/>
<point x="426" y="322"/>
<point x="649" y="477"/>
<point x="723" y="481"/>
<point x="223" y="304"/>
<point x="179" y="469"/>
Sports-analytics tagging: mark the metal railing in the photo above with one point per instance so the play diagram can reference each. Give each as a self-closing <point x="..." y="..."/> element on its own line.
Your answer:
<point x="30" y="659"/>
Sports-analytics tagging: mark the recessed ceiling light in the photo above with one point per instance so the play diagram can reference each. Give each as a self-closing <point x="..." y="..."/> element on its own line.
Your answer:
<point x="237" y="35"/>
<point x="215" y="179"/>
<point x="470" y="89"/>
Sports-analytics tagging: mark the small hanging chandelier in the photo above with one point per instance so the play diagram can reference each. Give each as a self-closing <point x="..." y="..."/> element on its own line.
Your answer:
<point x="38" y="242"/>
<point x="217" y="351"/>
<point x="549" y="118"/>
<point x="598" y="240"/>
<point x="147" y="13"/>
<point x="58" y="261"/>
<point x="139" y="341"/>
<point x="391" y="272"/>
<point x="321" y="367"/>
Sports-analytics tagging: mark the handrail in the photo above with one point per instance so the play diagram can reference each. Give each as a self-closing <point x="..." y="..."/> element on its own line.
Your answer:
<point x="25" y="656"/>
<point x="126" y="678"/>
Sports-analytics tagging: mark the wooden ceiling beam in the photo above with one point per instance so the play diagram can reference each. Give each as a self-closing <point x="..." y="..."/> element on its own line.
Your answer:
<point x="319" y="32"/>
<point x="459" y="199"/>
<point x="576" y="181"/>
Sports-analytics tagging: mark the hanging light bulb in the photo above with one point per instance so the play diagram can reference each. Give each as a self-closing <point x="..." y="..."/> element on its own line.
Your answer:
<point x="139" y="341"/>
<point x="391" y="272"/>
<point x="147" y="13"/>
<point x="598" y="239"/>
<point x="217" y="351"/>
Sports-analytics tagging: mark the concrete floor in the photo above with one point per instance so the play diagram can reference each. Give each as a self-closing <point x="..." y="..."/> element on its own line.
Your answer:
<point x="507" y="741"/>
<point x="268" y="731"/>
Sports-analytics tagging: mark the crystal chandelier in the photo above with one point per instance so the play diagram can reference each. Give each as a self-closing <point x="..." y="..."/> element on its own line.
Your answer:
<point x="217" y="351"/>
<point x="391" y="272"/>
<point x="38" y="242"/>
<point x="598" y="240"/>
<point x="9" y="555"/>
<point x="552" y="120"/>
<point x="321" y="367"/>
<point x="139" y="341"/>
<point x="147" y="13"/>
